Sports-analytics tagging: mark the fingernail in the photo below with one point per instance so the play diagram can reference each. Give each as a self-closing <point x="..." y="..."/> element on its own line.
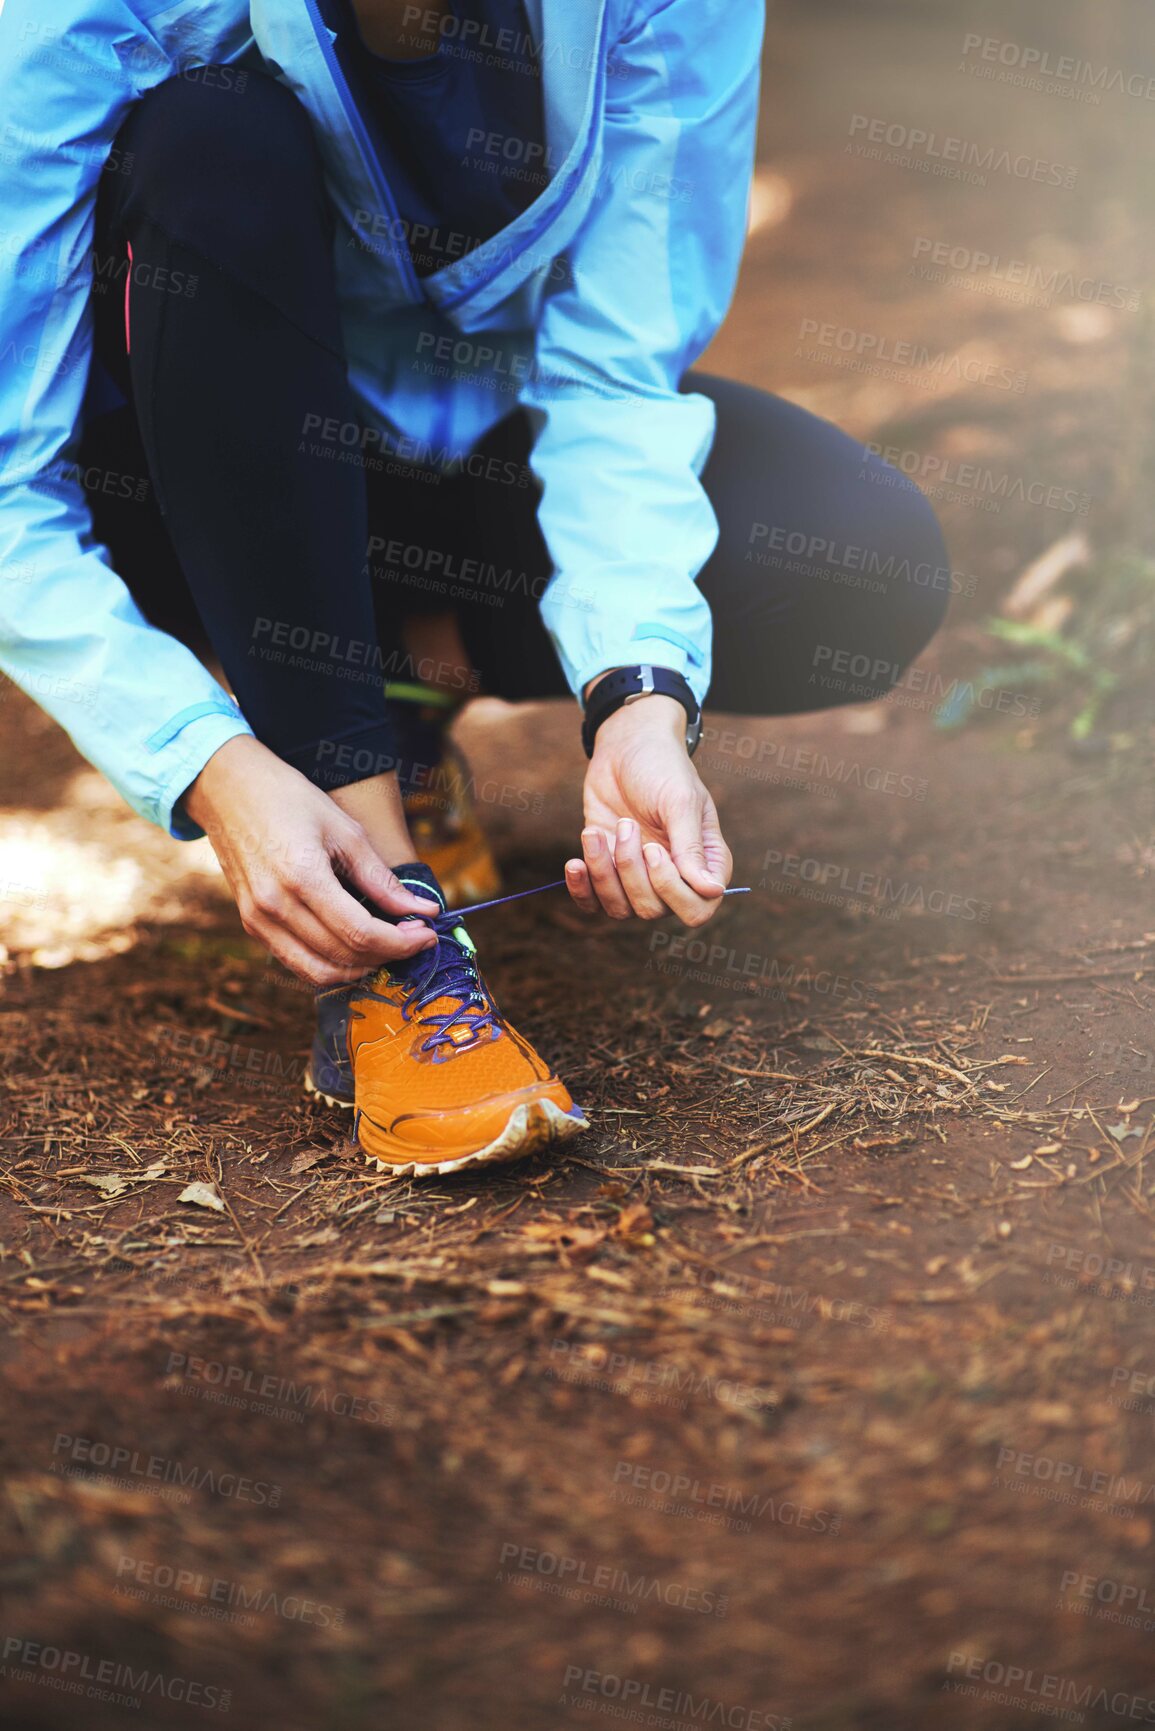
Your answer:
<point x="652" y="854"/>
<point x="592" y="840"/>
<point x="626" y="829"/>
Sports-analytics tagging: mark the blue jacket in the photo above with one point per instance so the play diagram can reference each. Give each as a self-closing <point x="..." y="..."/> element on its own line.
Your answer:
<point x="587" y="309"/>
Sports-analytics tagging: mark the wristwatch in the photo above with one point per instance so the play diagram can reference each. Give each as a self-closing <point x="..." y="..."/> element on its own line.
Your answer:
<point x="626" y="685"/>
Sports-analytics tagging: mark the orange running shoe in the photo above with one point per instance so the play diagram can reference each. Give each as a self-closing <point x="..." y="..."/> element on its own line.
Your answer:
<point x="441" y="1080"/>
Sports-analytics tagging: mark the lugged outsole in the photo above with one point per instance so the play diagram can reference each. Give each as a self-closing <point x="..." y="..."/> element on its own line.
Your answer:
<point x="320" y="1094"/>
<point x="533" y="1125"/>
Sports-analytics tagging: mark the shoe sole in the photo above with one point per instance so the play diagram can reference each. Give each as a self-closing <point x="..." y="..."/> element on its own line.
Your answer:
<point x="532" y="1125"/>
<point x="329" y="1099"/>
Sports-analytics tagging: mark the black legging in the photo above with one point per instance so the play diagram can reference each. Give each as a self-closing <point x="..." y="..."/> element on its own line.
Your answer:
<point x="829" y="575"/>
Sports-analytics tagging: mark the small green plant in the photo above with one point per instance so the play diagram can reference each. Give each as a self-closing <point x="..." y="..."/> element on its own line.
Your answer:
<point x="1104" y="648"/>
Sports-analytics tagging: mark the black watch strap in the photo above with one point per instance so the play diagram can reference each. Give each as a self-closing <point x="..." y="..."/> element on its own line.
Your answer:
<point x="625" y="683"/>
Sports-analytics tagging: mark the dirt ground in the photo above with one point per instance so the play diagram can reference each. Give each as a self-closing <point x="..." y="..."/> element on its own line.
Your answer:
<point x="816" y="1384"/>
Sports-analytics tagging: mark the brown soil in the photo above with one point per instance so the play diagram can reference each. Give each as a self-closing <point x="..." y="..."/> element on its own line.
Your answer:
<point x="819" y="1373"/>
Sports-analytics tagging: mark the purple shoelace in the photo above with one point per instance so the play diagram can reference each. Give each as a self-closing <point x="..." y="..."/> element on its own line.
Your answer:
<point x="519" y="895"/>
<point x="451" y="973"/>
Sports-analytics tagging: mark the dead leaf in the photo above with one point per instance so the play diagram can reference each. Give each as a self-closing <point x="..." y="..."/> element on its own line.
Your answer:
<point x="715" y="1030"/>
<point x="203" y="1195"/>
<point x="111" y="1183"/>
<point x="634" y="1226"/>
<point x="305" y="1163"/>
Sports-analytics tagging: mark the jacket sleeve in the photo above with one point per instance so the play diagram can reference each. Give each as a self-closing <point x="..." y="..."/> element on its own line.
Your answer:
<point x="137" y="704"/>
<point x="618" y="449"/>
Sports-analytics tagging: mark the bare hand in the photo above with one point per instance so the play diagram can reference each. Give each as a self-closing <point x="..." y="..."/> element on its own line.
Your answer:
<point x="652" y="844"/>
<point x="281" y="842"/>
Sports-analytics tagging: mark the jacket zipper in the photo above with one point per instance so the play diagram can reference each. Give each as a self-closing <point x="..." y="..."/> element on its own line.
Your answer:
<point x="361" y="135"/>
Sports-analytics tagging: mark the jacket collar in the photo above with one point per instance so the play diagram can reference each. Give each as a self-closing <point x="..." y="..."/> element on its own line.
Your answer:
<point x="572" y="37"/>
<point x="572" y="40"/>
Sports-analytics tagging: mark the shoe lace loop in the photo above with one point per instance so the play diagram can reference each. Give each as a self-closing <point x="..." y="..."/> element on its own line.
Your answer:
<point x="451" y="973"/>
<point x="446" y="971"/>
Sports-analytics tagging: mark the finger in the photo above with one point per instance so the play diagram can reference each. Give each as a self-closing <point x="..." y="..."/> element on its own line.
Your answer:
<point x="603" y="875"/>
<point x="632" y="871"/>
<point x="350" y="929"/>
<point x="300" y="960"/>
<point x="684" y="825"/>
<point x="577" y="882"/>
<point x="719" y="859"/>
<point x="691" y="908"/>
<point x="363" y="865"/>
<point x="344" y="949"/>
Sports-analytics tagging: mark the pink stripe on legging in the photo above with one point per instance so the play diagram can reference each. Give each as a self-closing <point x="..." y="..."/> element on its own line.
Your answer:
<point x="127" y="286"/>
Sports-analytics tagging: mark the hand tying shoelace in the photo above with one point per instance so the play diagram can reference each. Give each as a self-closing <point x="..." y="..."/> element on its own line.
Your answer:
<point x="450" y="973"/>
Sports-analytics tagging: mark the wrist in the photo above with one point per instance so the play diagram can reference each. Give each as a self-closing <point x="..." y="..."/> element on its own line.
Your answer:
<point x="200" y="798"/>
<point x="653" y="716"/>
<point x="646" y="687"/>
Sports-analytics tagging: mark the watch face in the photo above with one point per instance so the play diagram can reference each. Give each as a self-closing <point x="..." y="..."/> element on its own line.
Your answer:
<point x="694" y="734"/>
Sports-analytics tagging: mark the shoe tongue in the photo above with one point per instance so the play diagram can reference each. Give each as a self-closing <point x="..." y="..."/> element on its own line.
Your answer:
<point x="456" y="967"/>
<point x="418" y="878"/>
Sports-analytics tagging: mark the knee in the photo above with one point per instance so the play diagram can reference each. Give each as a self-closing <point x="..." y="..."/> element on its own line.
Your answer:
<point x="224" y="159"/>
<point x="913" y="558"/>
